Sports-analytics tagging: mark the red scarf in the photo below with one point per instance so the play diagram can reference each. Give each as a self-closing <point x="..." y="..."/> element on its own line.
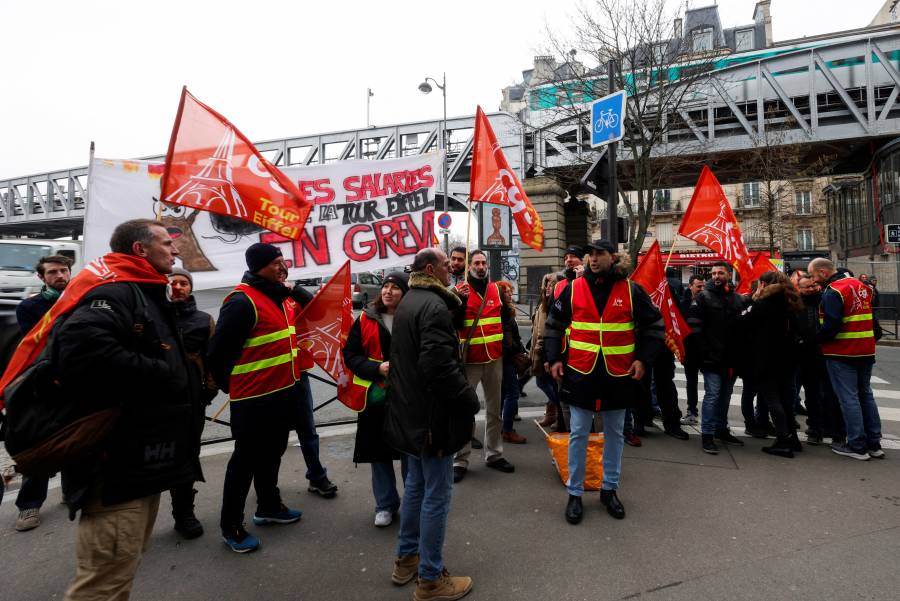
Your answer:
<point x="113" y="267"/>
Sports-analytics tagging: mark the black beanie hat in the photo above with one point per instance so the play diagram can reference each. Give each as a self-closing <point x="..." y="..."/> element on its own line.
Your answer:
<point x="259" y="255"/>
<point x="399" y="279"/>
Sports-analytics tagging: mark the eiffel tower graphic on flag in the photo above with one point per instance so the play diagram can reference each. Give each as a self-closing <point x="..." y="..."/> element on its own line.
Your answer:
<point x="717" y="235"/>
<point x="213" y="185"/>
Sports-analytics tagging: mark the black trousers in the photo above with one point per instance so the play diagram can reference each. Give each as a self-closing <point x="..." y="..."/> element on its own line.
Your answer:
<point x="663" y="374"/>
<point x="256" y="458"/>
<point x="825" y="416"/>
<point x="777" y="391"/>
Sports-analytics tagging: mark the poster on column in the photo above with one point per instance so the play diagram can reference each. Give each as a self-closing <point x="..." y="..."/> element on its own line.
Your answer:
<point x="377" y="214"/>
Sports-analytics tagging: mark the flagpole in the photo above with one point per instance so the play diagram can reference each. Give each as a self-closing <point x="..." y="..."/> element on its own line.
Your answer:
<point x="671" y="250"/>
<point x="221" y="409"/>
<point x="468" y="231"/>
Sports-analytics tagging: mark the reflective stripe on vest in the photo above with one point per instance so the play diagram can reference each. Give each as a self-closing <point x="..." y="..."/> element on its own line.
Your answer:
<point x="355" y="395"/>
<point x="856" y="338"/>
<point x="270" y="359"/>
<point x="612" y="335"/>
<point x="486" y="344"/>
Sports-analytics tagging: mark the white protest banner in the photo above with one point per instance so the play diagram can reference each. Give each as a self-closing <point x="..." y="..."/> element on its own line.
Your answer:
<point x="377" y="214"/>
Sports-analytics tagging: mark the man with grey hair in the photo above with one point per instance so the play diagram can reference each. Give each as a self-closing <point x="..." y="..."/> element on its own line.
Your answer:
<point x="847" y="338"/>
<point x="430" y="414"/>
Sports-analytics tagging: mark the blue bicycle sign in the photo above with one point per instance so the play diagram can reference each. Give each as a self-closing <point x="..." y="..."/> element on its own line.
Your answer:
<point x="607" y="117"/>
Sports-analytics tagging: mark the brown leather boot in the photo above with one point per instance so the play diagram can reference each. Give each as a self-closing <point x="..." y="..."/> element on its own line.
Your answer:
<point x="405" y="569"/>
<point x="444" y="588"/>
<point x="549" y="416"/>
<point x="514" y="437"/>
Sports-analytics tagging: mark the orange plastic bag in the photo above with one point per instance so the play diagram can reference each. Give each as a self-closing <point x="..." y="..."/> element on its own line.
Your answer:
<point x="558" y="443"/>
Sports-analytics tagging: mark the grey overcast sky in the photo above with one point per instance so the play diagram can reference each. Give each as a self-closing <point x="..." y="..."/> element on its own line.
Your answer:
<point x="112" y="71"/>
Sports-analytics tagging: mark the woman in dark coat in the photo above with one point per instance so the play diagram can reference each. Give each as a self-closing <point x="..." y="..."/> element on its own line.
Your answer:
<point x="770" y="329"/>
<point x="512" y="346"/>
<point x="370" y="446"/>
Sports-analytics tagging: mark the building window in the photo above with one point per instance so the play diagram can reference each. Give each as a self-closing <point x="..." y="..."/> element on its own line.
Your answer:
<point x="751" y="195"/>
<point x="804" y="202"/>
<point x="702" y="40"/>
<point x="804" y="239"/>
<point x="663" y="201"/>
<point x="664" y="234"/>
<point x="743" y="40"/>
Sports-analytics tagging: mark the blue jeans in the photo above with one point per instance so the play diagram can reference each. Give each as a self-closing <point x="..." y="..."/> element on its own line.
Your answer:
<point x="717" y="389"/>
<point x="852" y="385"/>
<point x="423" y="516"/>
<point x="306" y="433"/>
<point x="509" y="395"/>
<point x="384" y="484"/>
<point x="613" y="444"/>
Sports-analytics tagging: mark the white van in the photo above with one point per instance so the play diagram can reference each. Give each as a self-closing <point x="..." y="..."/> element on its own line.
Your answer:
<point x="18" y="257"/>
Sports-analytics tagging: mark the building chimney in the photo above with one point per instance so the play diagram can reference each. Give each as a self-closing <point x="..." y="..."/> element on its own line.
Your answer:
<point x="762" y="14"/>
<point x="677" y="32"/>
<point x="544" y="69"/>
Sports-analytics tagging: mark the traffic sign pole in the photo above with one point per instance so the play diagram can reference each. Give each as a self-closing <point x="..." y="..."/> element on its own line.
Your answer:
<point x="612" y="202"/>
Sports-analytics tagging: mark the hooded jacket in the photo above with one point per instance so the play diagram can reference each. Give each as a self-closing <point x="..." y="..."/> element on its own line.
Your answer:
<point x="770" y="335"/>
<point x="430" y="405"/>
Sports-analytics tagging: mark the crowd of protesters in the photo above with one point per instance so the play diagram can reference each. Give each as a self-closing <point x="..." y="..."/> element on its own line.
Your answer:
<point x="418" y="354"/>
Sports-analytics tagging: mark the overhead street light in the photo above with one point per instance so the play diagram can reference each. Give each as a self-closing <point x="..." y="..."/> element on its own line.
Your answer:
<point x="426" y="88"/>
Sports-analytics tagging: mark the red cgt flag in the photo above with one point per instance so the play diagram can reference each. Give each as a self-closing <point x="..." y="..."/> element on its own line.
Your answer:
<point x="113" y="267"/>
<point x="651" y="276"/>
<point x="492" y="181"/>
<point x="710" y="221"/>
<point x="212" y="166"/>
<point x="761" y="264"/>
<point x="323" y="326"/>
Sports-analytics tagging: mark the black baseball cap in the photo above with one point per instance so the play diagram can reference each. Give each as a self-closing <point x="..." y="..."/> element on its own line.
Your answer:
<point x="600" y="244"/>
<point x="578" y="251"/>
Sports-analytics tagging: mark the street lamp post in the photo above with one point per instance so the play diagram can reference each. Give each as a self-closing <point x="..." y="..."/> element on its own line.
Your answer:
<point x="426" y="88"/>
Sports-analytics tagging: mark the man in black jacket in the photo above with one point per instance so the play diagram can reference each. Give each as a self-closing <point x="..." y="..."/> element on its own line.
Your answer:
<point x="120" y="347"/>
<point x="430" y="415"/>
<point x="712" y="317"/>
<point x="55" y="272"/>
<point x="600" y="368"/>
<point x="691" y="371"/>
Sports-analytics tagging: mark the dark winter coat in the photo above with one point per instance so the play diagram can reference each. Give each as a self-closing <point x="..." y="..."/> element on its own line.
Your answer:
<point x="196" y="328"/>
<point x="112" y="353"/>
<point x="237" y="318"/>
<point x="769" y="334"/>
<point x="430" y="405"/>
<point x="583" y="390"/>
<point x="512" y="339"/>
<point x="370" y="446"/>
<point x="31" y="310"/>
<point x="712" y="317"/>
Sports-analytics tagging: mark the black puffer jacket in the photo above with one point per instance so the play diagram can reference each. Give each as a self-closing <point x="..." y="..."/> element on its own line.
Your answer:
<point x="430" y="405"/>
<point x="768" y="335"/>
<point x="370" y="446"/>
<point x="114" y="352"/>
<point x="712" y="317"/>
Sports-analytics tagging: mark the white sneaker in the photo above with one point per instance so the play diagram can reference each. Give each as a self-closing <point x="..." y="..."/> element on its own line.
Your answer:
<point x="383" y="518"/>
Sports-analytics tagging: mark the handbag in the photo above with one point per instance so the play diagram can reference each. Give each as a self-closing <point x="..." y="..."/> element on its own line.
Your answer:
<point x="522" y="363"/>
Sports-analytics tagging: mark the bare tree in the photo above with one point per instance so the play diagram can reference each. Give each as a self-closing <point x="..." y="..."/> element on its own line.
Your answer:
<point x="774" y="163"/>
<point x="662" y="75"/>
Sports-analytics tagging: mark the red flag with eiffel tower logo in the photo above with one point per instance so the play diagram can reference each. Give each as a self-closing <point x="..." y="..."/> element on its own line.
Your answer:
<point x="710" y="221"/>
<point x="323" y="327"/>
<point x="651" y="276"/>
<point x="212" y="166"/>
<point x="492" y="181"/>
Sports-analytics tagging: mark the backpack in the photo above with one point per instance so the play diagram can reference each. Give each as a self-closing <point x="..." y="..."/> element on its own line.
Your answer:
<point x="46" y="430"/>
